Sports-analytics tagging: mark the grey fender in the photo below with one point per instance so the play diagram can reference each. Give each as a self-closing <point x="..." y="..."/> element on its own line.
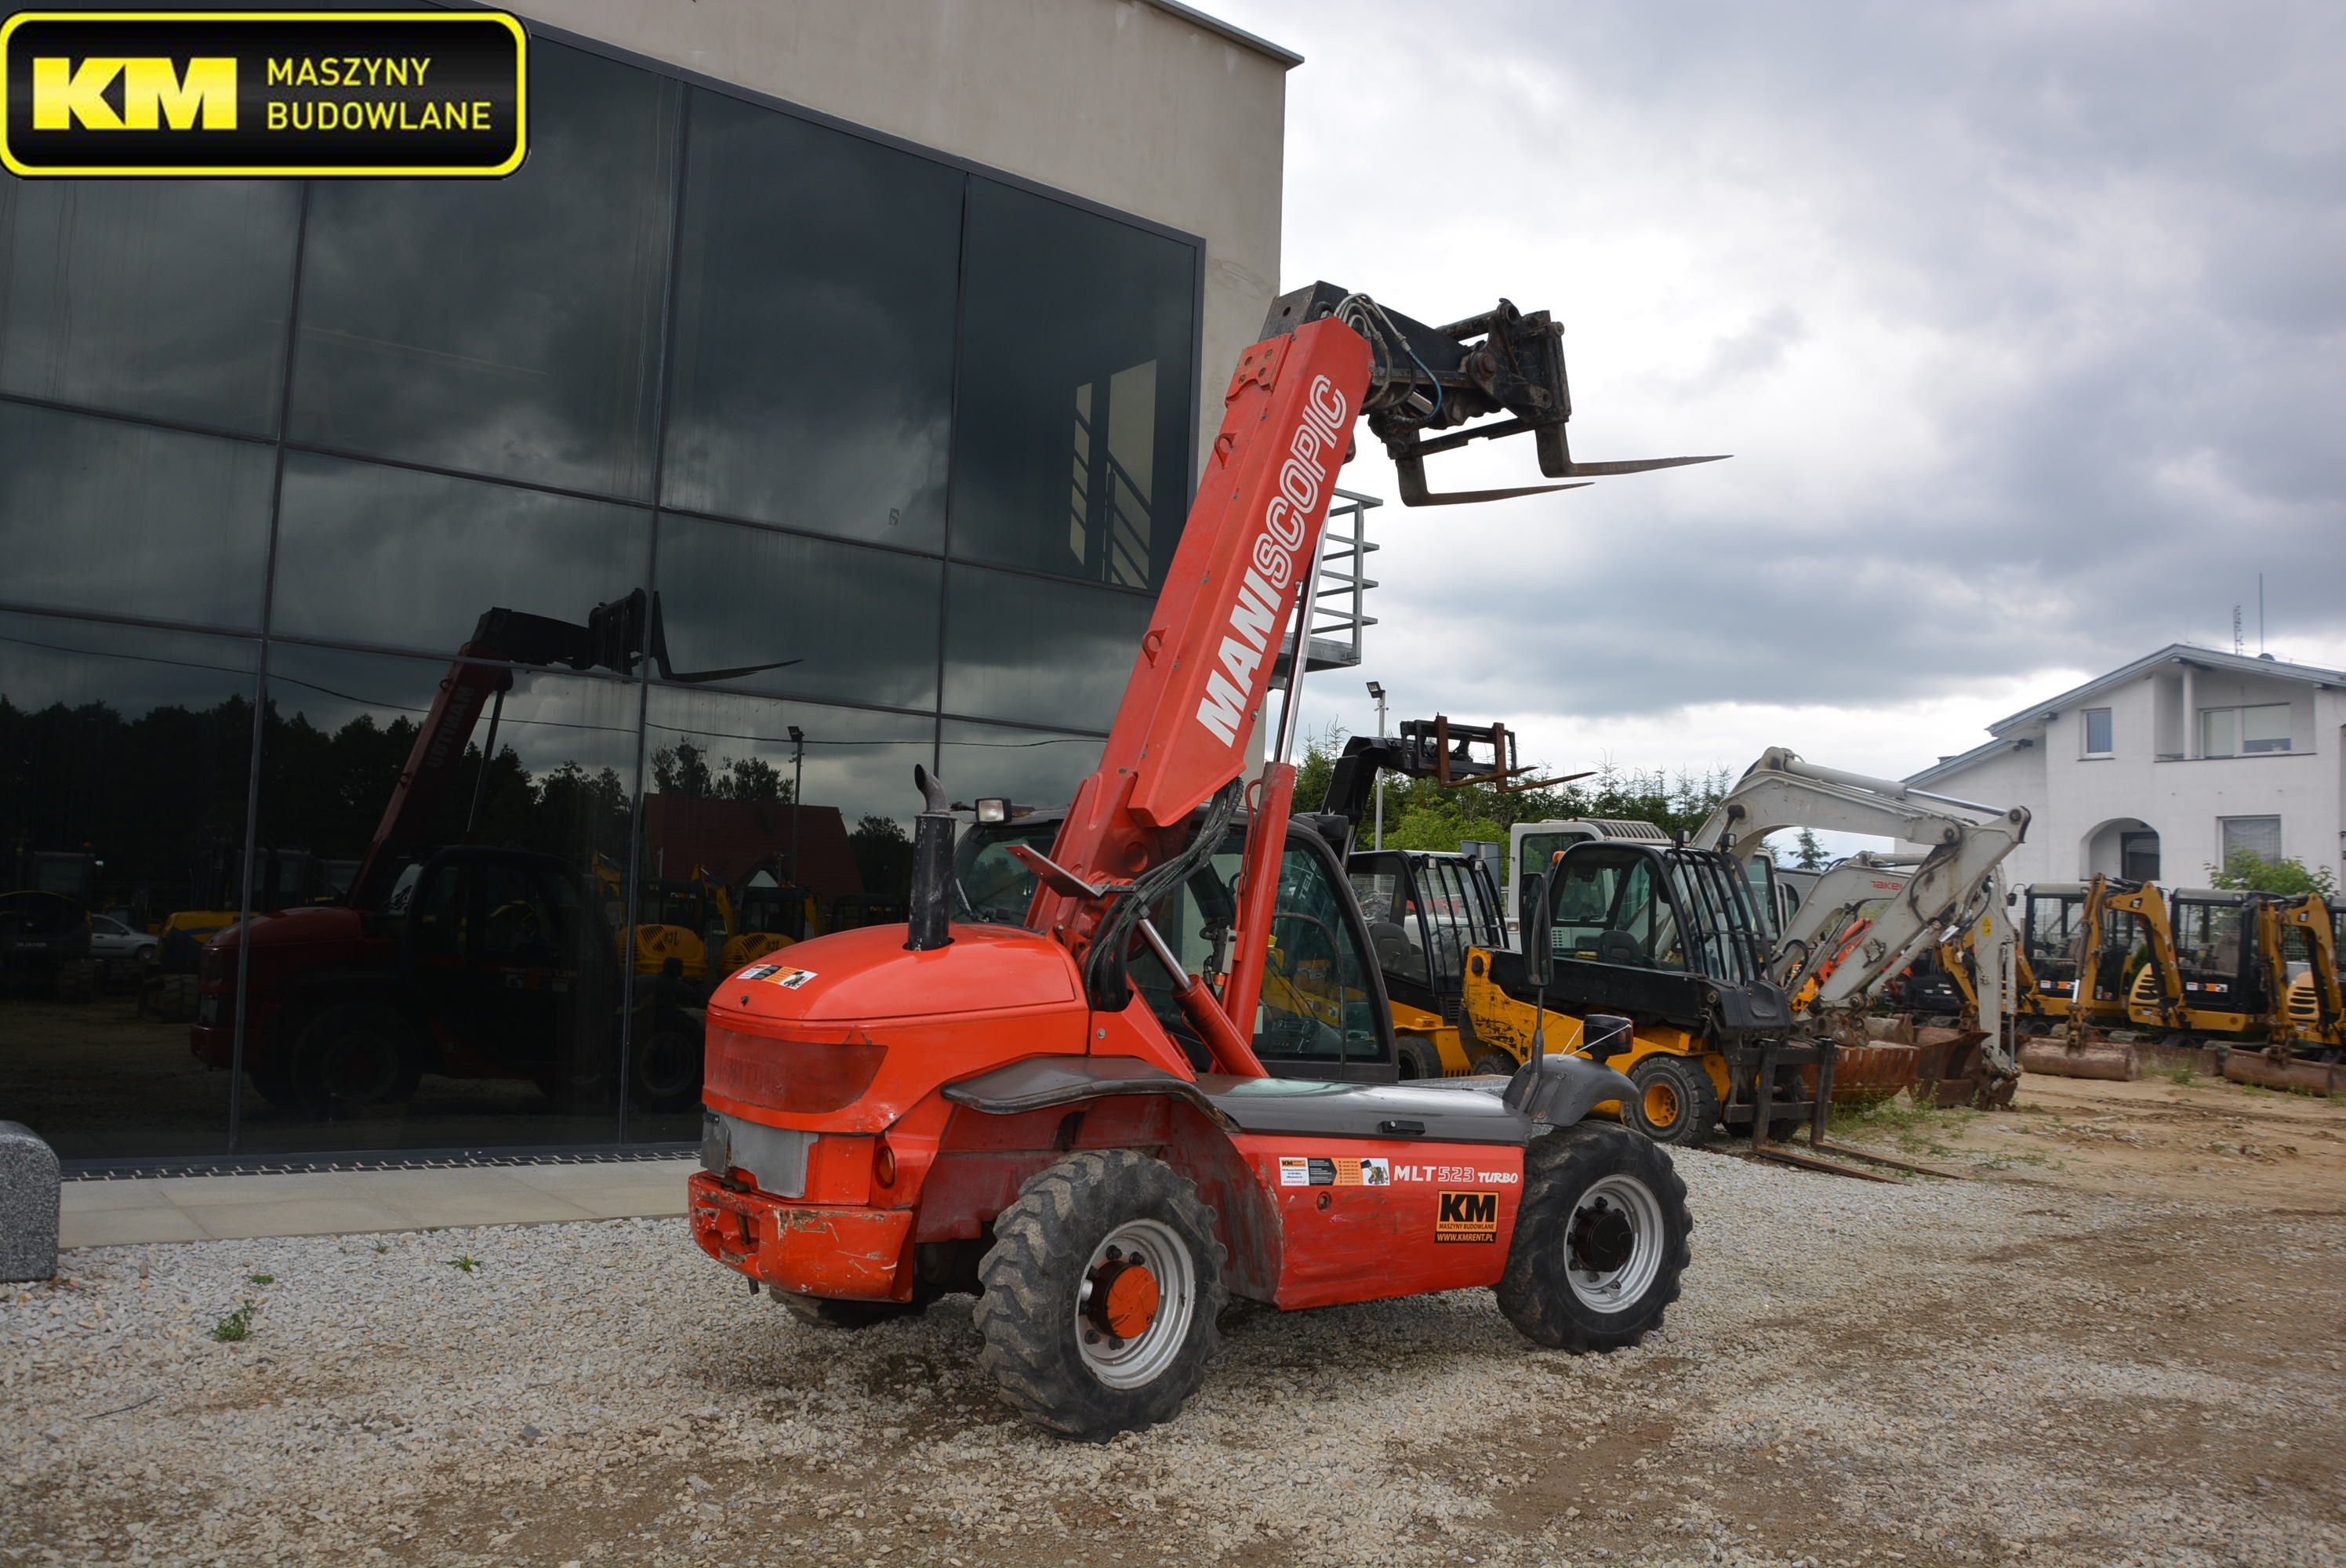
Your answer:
<point x="1563" y="1092"/>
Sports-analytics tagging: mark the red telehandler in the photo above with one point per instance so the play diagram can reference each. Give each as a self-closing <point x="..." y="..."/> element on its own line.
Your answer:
<point x="1173" y="1083"/>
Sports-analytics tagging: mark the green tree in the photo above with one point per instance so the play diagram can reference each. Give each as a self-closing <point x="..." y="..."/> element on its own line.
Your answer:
<point x="1807" y="853"/>
<point x="884" y="856"/>
<point x="1419" y="814"/>
<point x="2247" y="870"/>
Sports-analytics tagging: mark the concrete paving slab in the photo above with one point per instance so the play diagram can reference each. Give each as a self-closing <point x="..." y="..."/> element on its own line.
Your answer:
<point x="104" y="1197"/>
<point x="122" y="1227"/>
<point x="335" y="1202"/>
<point x="293" y="1217"/>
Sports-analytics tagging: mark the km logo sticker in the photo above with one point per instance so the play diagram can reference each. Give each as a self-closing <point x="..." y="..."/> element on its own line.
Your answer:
<point x="1467" y="1217"/>
<point x="221" y="93"/>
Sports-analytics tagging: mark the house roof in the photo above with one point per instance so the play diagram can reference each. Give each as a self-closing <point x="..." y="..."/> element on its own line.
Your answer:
<point x="1287" y="57"/>
<point x="2173" y="653"/>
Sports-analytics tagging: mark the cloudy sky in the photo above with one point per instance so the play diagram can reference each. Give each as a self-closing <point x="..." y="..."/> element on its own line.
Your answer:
<point x="2023" y="322"/>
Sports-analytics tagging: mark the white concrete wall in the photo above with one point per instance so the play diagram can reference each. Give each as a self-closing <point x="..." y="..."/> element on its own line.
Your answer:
<point x="1113" y="100"/>
<point x="2078" y="798"/>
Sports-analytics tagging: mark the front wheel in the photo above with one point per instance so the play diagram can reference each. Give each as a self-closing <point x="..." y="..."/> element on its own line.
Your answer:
<point x="1417" y="1057"/>
<point x="1495" y="1064"/>
<point x="1676" y="1102"/>
<point x="1101" y="1293"/>
<point x="664" y="1075"/>
<point x="355" y="1060"/>
<point x="1600" y="1240"/>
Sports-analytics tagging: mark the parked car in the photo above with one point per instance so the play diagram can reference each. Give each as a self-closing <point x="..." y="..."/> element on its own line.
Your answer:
<point x="119" y="949"/>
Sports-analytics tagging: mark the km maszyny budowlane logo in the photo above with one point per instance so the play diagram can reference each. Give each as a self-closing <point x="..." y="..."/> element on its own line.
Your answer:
<point x="263" y="93"/>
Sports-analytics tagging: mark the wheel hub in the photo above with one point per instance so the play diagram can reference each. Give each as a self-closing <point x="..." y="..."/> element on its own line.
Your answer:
<point x="1661" y="1104"/>
<point x="1124" y="1297"/>
<point x="1603" y="1238"/>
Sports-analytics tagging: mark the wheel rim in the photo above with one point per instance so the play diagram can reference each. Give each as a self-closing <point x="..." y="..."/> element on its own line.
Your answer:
<point x="361" y="1067"/>
<point x="1661" y="1106"/>
<point x="1614" y="1245"/>
<point x="1135" y="1303"/>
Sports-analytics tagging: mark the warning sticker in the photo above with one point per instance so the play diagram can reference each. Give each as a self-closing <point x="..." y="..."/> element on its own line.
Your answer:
<point x="781" y="975"/>
<point x="1316" y="1170"/>
<point x="1467" y="1217"/>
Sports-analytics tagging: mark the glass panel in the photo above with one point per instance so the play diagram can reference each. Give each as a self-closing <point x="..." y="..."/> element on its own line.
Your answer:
<point x="2208" y="939"/>
<point x="124" y="759"/>
<point x="2220" y="732"/>
<point x="1397" y="933"/>
<point x="2259" y="836"/>
<point x="1449" y="919"/>
<point x="2265" y="729"/>
<point x="1072" y="446"/>
<point x="1025" y="766"/>
<point x="377" y="555"/>
<point x="733" y="868"/>
<point x="725" y="768"/>
<point x="2097" y="731"/>
<point x="815" y="297"/>
<point x="97" y="514"/>
<point x="478" y="999"/>
<point x="1610" y="908"/>
<point x="1048" y="653"/>
<point x="858" y="625"/>
<point x="1317" y="1005"/>
<point x="164" y="298"/>
<point x="502" y="326"/>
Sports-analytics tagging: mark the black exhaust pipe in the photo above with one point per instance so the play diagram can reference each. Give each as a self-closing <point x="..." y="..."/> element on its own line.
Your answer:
<point x="932" y="855"/>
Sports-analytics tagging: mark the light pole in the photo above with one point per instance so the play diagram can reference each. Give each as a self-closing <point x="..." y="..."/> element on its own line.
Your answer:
<point x="1378" y="692"/>
<point x="798" y="776"/>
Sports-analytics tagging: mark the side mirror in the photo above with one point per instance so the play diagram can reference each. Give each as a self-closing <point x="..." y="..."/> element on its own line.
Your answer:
<point x="1606" y="1035"/>
<point x="1539" y="953"/>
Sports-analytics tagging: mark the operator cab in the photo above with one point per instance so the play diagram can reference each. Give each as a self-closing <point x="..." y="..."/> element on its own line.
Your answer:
<point x="1322" y="1015"/>
<point x="1657" y="932"/>
<point x="1424" y="911"/>
<point x="2056" y="914"/>
<point x="2216" y="953"/>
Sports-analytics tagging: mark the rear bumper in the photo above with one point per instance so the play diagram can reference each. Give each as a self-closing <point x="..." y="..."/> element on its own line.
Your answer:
<point x="855" y="1254"/>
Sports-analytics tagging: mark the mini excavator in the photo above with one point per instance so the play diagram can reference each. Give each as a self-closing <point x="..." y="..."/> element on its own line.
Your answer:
<point x="1172" y="1081"/>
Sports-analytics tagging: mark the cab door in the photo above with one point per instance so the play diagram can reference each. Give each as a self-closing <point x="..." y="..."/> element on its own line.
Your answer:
<point x="1323" y="1013"/>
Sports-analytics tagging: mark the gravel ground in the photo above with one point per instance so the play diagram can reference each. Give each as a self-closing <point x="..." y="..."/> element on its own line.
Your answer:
<point x="1858" y="1374"/>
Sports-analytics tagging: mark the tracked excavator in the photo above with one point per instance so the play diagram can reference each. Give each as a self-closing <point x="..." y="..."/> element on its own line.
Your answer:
<point x="1169" y="1079"/>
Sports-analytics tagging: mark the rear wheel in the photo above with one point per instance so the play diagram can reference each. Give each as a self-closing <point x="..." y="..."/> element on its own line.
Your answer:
<point x="1498" y="1063"/>
<point x="1676" y="1102"/>
<point x="354" y="1060"/>
<point x="1417" y="1057"/>
<point x="1102" y="1289"/>
<point x="1600" y="1240"/>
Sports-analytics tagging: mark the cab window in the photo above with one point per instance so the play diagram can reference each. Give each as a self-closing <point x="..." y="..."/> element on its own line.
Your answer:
<point x="1611" y="908"/>
<point x="1318" y="1004"/>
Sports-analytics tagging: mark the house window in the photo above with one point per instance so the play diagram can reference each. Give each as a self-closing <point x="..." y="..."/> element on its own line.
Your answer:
<point x="2260" y="836"/>
<point x="2238" y="731"/>
<point x="2138" y="856"/>
<point x="2097" y="732"/>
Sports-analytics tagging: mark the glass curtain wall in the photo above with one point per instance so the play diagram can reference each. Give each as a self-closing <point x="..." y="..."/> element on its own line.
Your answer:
<point x="495" y="610"/>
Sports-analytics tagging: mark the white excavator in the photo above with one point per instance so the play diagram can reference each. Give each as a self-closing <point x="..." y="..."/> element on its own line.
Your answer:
<point x="1869" y="917"/>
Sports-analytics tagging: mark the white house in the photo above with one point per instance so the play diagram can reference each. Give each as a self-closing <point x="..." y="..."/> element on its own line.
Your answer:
<point x="2158" y="770"/>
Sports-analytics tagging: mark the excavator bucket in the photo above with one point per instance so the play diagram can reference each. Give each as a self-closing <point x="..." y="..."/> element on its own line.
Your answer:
<point x="2090" y="1055"/>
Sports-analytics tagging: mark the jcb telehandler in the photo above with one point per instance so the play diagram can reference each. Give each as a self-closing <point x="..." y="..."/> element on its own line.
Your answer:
<point x="998" y="1108"/>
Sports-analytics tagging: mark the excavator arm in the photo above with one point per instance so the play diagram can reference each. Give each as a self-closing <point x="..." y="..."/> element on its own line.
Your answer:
<point x="1927" y="897"/>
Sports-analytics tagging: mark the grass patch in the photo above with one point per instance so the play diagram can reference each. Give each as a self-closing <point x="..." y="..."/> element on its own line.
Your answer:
<point x="235" y="1326"/>
<point x="1915" y="1129"/>
<point x="260" y="1279"/>
<point x="467" y="1263"/>
<point x="2183" y="1075"/>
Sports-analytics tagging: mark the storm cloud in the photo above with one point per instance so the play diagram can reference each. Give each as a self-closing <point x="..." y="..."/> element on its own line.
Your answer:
<point x="2022" y="322"/>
